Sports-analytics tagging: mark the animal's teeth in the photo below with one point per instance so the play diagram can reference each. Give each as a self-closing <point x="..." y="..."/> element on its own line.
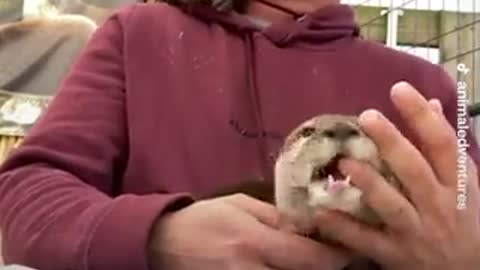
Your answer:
<point x="347" y="180"/>
<point x="331" y="181"/>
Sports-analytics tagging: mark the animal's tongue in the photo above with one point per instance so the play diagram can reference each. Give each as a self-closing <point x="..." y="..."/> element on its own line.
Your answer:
<point x="336" y="182"/>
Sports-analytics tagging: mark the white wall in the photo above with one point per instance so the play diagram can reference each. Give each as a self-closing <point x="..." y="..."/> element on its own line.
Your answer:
<point x="430" y="54"/>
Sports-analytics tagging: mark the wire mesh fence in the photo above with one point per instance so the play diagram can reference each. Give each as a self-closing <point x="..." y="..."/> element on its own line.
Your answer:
<point x="445" y="32"/>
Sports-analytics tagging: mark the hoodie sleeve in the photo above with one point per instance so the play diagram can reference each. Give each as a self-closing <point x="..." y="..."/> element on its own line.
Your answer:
<point x="57" y="209"/>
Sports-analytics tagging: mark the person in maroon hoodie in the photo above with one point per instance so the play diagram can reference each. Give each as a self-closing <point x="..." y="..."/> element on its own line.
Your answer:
<point x="164" y="107"/>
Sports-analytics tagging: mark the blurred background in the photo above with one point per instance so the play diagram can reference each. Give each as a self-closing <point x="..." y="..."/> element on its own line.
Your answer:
<point x="40" y="39"/>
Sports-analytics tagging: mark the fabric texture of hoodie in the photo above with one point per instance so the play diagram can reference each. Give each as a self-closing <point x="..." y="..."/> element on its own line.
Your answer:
<point x="163" y="107"/>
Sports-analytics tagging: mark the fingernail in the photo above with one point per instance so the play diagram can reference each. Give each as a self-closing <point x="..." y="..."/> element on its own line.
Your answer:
<point x="436" y="104"/>
<point x="401" y="88"/>
<point x="369" y="116"/>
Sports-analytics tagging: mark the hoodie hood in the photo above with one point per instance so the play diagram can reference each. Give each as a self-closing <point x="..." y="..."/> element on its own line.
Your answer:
<point x="325" y="26"/>
<point x="328" y="23"/>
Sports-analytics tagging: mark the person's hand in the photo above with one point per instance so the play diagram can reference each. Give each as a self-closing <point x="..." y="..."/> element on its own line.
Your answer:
<point x="234" y="232"/>
<point x="437" y="227"/>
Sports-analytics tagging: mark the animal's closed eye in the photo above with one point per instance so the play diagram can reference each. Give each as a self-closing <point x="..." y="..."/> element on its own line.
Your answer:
<point x="307" y="132"/>
<point x="329" y="133"/>
<point x="341" y="132"/>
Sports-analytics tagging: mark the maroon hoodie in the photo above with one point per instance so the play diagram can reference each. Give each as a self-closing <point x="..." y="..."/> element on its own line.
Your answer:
<point x="162" y="108"/>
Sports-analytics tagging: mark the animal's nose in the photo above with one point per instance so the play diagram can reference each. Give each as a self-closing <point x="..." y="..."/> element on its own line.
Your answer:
<point x="341" y="131"/>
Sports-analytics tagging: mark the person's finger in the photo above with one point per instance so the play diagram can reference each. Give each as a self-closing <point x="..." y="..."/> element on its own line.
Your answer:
<point x="468" y="190"/>
<point x="436" y="105"/>
<point x="437" y="138"/>
<point x="388" y="203"/>
<point x="253" y="266"/>
<point x="406" y="161"/>
<point x="283" y="250"/>
<point x="264" y="212"/>
<point x="288" y="251"/>
<point x="355" y="235"/>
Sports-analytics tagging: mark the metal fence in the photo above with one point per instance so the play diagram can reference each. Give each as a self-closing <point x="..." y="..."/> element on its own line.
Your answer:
<point x="445" y="32"/>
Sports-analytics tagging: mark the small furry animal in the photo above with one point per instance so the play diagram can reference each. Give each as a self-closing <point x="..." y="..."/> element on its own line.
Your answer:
<point x="307" y="175"/>
<point x="307" y="178"/>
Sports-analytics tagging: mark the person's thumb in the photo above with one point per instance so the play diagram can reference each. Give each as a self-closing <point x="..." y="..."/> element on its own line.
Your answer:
<point x="264" y="212"/>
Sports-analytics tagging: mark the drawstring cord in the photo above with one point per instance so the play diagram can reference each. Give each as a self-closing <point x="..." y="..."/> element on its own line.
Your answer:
<point x="253" y="95"/>
<point x="255" y="99"/>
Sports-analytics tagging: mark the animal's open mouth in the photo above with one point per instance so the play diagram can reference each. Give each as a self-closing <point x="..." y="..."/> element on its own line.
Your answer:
<point x="335" y="180"/>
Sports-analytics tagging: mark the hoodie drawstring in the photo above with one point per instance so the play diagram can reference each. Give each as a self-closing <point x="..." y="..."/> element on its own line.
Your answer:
<point x="257" y="110"/>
